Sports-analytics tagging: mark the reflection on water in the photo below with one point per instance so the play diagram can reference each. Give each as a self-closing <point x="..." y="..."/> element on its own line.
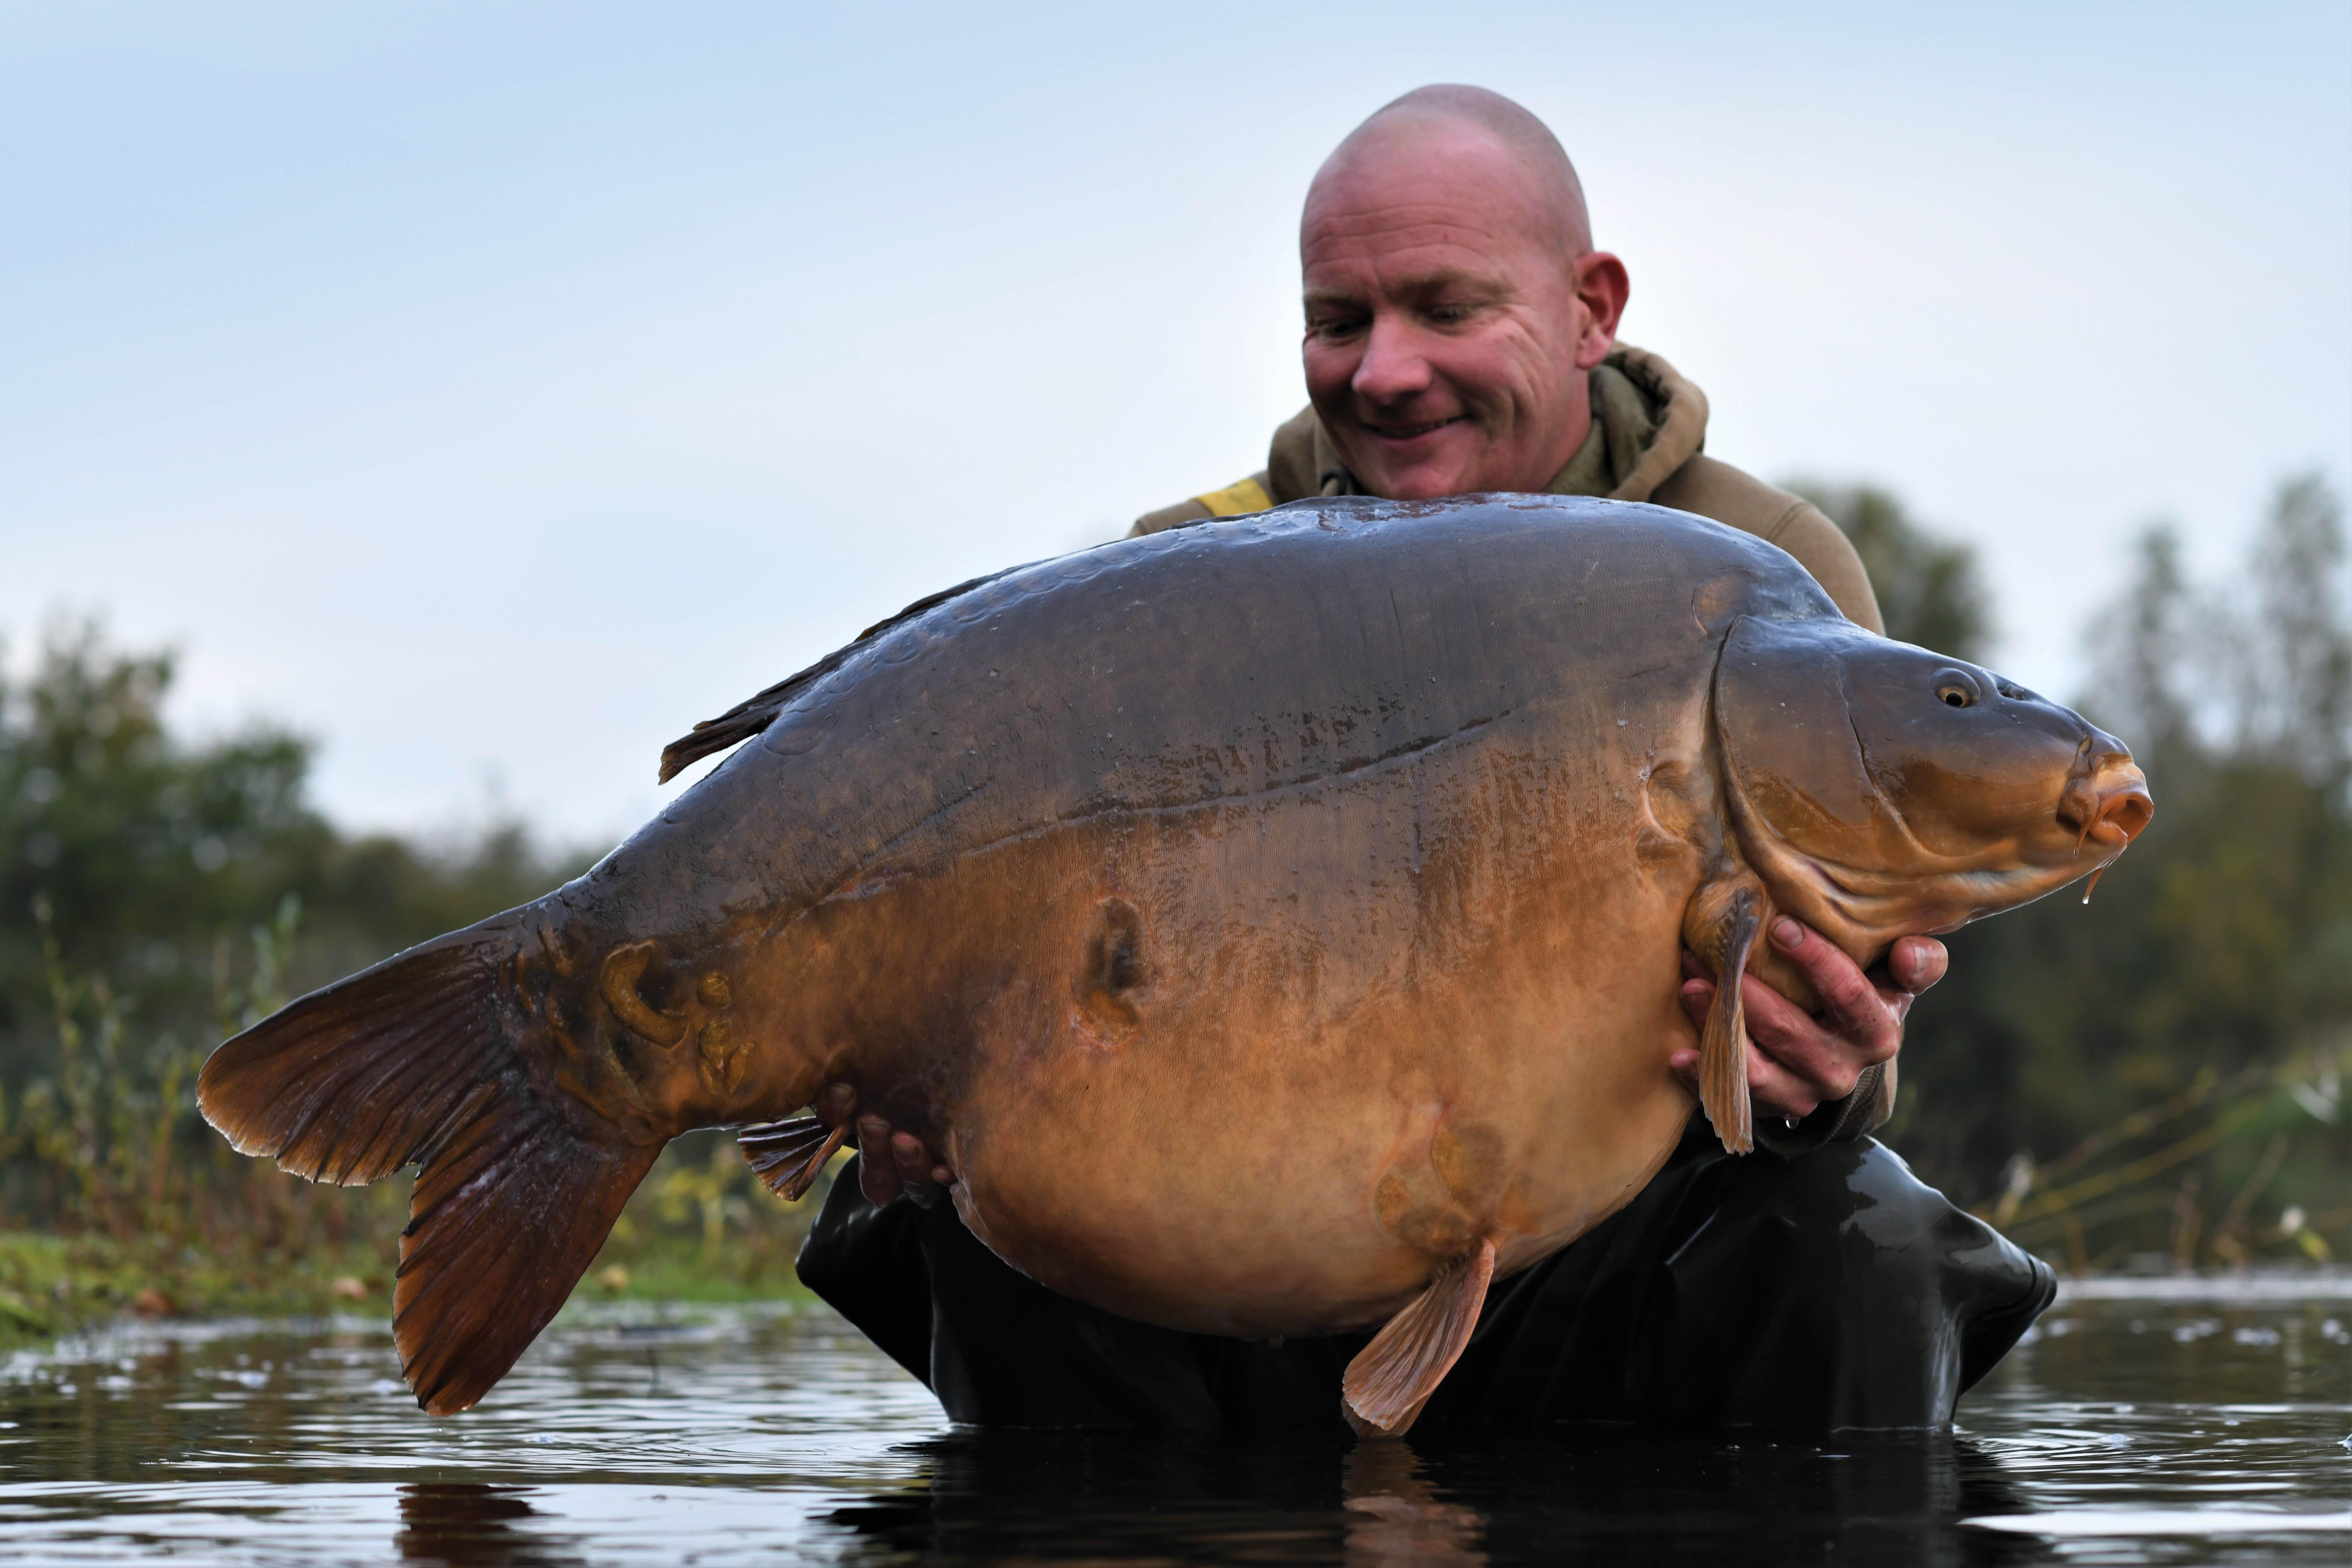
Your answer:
<point x="2154" y="1424"/>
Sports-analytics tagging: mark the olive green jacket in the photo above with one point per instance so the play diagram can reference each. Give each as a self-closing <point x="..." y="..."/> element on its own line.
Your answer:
<point x="1649" y="427"/>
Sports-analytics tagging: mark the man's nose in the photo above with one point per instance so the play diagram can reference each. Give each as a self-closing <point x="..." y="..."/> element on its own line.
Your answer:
<point x="1393" y="366"/>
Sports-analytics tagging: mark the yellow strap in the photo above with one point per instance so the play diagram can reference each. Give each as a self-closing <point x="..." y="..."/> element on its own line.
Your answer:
<point x="1233" y="501"/>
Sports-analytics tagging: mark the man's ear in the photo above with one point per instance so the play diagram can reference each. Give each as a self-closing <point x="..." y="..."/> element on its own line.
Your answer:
<point x="1602" y="288"/>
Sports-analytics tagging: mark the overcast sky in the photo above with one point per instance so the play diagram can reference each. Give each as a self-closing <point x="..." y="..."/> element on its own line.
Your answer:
<point x="490" y="392"/>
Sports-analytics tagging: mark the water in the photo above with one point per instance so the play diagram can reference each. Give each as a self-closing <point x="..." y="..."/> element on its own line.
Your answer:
<point x="2155" y="1423"/>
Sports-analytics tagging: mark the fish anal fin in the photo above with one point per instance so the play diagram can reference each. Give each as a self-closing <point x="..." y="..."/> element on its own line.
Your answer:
<point x="788" y="1156"/>
<point x="1723" y="1044"/>
<point x="1391" y="1378"/>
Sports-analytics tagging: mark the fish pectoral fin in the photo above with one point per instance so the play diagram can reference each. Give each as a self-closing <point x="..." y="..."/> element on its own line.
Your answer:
<point x="1723" y="1046"/>
<point x="1391" y="1378"/>
<point x="788" y="1156"/>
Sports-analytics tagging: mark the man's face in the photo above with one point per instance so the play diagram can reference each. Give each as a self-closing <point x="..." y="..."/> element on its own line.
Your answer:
<point x="1447" y="340"/>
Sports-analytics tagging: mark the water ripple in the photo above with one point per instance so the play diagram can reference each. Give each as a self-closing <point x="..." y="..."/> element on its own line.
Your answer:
<point x="2168" y="1427"/>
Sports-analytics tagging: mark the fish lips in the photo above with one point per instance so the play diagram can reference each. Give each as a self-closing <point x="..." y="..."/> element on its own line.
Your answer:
<point x="1882" y="789"/>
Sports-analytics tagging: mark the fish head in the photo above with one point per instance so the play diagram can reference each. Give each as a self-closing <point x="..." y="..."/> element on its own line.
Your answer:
<point x="1882" y="790"/>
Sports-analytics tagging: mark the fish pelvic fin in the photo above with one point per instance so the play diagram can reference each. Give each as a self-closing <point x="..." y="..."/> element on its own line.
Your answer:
<point x="1726" y="936"/>
<point x="410" y="1063"/>
<point x="789" y="1156"/>
<point x="1391" y="1378"/>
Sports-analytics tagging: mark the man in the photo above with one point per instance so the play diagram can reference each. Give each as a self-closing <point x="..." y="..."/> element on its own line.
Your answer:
<point x="1461" y="337"/>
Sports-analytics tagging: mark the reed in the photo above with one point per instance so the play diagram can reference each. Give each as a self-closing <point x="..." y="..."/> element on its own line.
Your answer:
<point x="119" y="1197"/>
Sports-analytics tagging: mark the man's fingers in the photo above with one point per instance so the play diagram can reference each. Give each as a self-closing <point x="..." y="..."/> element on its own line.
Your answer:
<point x="1778" y="1092"/>
<point x="890" y="1163"/>
<point x="1793" y="1063"/>
<point x="1697" y="996"/>
<point x="1774" y="1089"/>
<point x="1808" y="1063"/>
<point x="914" y="1167"/>
<point x="877" y="1171"/>
<point x="1915" y="963"/>
<point x="1683" y="1064"/>
<point x="835" y="1103"/>
<point x="1851" y="1005"/>
<point x="1796" y="1061"/>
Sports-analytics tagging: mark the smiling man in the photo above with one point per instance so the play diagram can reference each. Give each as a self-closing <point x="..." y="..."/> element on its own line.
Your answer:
<point x="1461" y="337"/>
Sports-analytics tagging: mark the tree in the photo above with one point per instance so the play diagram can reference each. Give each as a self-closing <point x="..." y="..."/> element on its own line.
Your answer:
<point x="2294" y="658"/>
<point x="2147" y="649"/>
<point x="156" y="856"/>
<point x="2213" y="974"/>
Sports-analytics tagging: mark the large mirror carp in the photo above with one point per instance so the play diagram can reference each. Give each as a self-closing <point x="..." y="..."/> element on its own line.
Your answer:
<point x="1276" y="924"/>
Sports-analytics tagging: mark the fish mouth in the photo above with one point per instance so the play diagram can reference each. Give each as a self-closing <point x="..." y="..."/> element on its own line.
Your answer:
<point x="2104" y="801"/>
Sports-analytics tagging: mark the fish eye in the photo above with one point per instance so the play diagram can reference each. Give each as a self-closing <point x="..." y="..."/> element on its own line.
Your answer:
<point x="1956" y="688"/>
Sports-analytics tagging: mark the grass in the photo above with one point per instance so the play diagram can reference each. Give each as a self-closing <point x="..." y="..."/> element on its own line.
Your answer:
<point x="116" y="1198"/>
<point x="52" y="1285"/>
<point x="697" y="1231"/>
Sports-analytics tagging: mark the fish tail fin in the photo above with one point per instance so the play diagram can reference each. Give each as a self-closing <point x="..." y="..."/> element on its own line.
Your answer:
<point x="1391" y="1378"/>
<point x="1723" y="1045"/>
<point x="789" y="1156"/>
<point x="413" y="1062"/>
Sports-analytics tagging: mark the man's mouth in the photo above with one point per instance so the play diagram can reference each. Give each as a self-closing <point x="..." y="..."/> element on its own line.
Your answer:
<point x="1410" y="432"/>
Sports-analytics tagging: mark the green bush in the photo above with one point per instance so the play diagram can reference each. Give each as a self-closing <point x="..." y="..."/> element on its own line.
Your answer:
<point x="157" y="896"/>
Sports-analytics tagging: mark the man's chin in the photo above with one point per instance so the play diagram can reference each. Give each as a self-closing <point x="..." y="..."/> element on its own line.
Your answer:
<point x="1428" y="479"/>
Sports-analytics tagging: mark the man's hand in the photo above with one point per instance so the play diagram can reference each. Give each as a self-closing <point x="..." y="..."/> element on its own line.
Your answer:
<point x="1798" y="1062"/>
<point x="890" y="1163"/>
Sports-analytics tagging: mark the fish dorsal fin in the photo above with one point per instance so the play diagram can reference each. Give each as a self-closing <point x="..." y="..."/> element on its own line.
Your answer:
<point x="755" y="714"/>
<point x="1391" y="1378"/>
<point x="788" y="1156"/>
<point x="1724" y="934"/>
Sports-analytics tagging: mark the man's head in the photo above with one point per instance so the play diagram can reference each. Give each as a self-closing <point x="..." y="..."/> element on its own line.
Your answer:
<point x="1455" y="302"/>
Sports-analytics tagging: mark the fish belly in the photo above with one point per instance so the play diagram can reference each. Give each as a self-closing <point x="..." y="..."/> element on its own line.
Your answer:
<point x="1345" y="1056"/>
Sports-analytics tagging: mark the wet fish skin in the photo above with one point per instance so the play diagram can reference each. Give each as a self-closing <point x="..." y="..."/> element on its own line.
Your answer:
<point x="1259" y="917"/>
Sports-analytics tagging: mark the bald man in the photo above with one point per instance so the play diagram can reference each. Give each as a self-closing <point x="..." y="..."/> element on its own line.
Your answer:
<point x="1460" y="337"/>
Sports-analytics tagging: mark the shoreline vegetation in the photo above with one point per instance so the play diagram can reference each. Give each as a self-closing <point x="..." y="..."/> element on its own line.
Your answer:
<point x="140" y="1209"/>
<point x="56" y="1283"/>
<point x="2153" y="1084"/>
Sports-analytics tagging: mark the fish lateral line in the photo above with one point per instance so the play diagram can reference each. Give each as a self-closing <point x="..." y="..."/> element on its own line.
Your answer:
<point x="862" y="880"/>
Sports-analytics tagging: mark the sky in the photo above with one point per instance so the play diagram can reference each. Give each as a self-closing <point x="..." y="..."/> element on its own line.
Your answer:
<point x="490" y="392"/>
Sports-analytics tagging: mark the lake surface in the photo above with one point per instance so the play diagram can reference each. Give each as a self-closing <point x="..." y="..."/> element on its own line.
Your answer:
<point x="2143" y="1422"/>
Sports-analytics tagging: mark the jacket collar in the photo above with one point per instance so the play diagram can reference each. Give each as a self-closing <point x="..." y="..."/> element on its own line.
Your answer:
<point x="1648" y="421"/>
